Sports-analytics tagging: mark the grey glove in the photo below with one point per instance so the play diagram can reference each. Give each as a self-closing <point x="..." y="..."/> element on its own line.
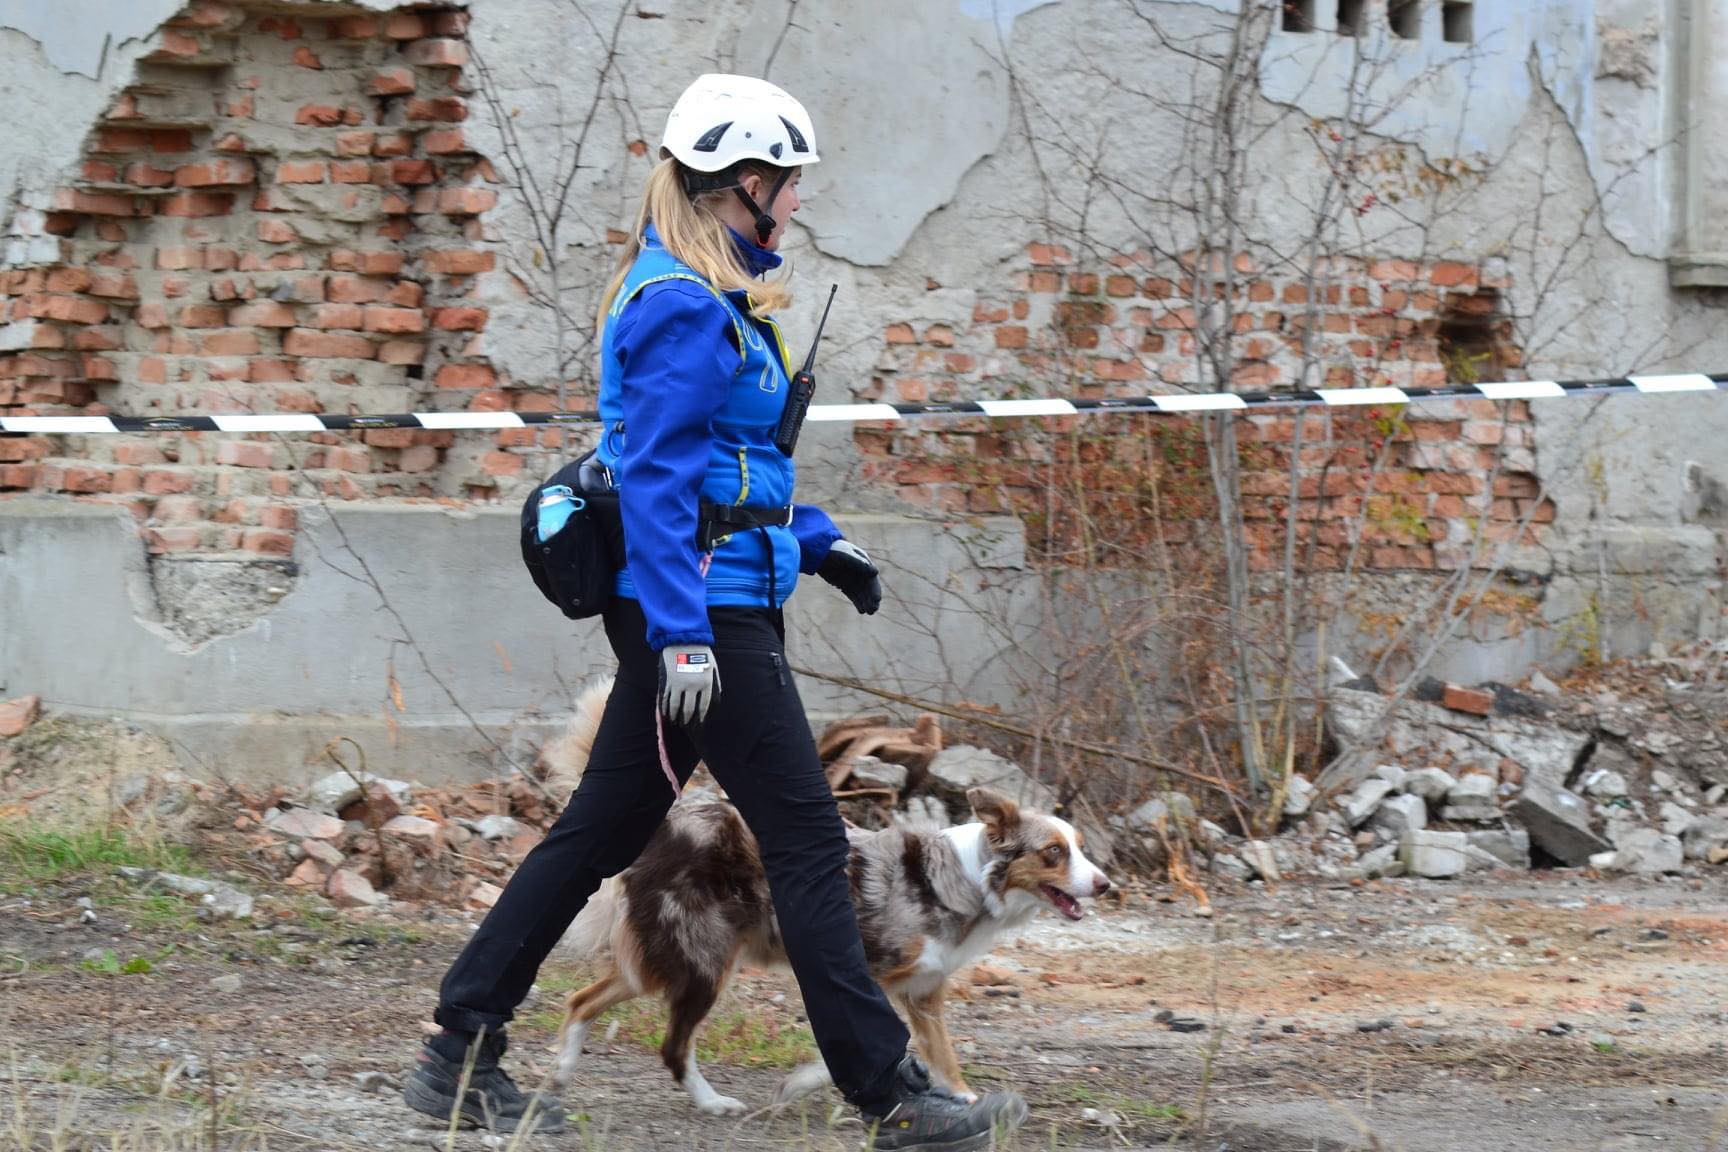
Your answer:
<point x="689" y="682"/>
<point x="850" y="569"/>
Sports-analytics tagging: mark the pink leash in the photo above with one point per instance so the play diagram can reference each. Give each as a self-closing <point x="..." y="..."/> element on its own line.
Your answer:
<point x="660" y="717"/>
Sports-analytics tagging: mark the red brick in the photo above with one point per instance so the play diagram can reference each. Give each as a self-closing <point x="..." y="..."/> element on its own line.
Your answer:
<point x="284" y="26"/>
<point x="1011" y="336"/>
<point x="466" y="376"/>
<point x="354" y="143"/>
<point x="393" y="144"/>
<point x="273" y="231"/>
<point x="401" y="352"/>
<point x="378" y="263"/>
<point x="94" y="203"/>
<point x="1472" y="700"/>
<point x="337" y="316"/>
<point x="1451" y="274"/>
<point x="245" y="454"/>
<point x="121" y="140"/>
<point x="184" y="539"/>
<point x="163" y="481"/>
<point x="412" y="172"/>
<point x="317" y="345"/>
<point x="379" y="319"/>
<point x="356" y="290"/>
<point x="279" y="516"/>
<point x="112" y="284"/>
<point x="1393" y="270"/>
<point x="319" y="115"/>
<point x="262" y="314"/>
<point x="300" y="172"/>
<point x="267" y="542"/>
<point x="405" y="26"/>
<point x="232" y="342"/>
<point x="444" y="142"/>
<point x="900" y="334"/>
<point x="70" y="309"/>
<point x="203" y="316"/>
<point x="392" y="82"/>
<point x="148" y="175"/>
<point x="460" y="262"/>
<point x="450" y="109"/>
<point x="501" y="464"/>
<point x="350" y="171"/>
<point x="223" y="171"/>
<point x="437" y="53"/>
<point x="1048" y="254"/>
<point x="459" y="319"/>
<point x="449" y="23"/>
<point x="196" y="204"/>
<point x="306" y="58"/>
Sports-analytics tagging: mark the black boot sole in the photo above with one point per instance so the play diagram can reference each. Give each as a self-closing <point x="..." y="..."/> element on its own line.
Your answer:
<point x="424" y="1098"/>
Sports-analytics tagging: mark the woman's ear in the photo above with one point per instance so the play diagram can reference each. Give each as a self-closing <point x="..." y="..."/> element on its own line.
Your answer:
<point x="753" y="185"/>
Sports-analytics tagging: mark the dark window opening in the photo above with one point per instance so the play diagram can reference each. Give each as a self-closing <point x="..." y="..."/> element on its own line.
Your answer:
<point x="1350" y="16"/>
<point x="1406" y="18"/>
<point x="1299" y="15"/>
<point x="1455" y="20"/>
<point x="1475" y="338"/>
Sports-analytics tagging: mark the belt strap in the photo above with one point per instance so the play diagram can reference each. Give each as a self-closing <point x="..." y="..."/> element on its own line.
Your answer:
<point x="719" y="520"/>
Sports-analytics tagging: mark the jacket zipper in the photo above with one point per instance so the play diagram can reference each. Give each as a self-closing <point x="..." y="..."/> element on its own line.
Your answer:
<point x="779" y="668"/>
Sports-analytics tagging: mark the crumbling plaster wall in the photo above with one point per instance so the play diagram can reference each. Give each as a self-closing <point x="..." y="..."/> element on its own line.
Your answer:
<point x="936" y="121"/>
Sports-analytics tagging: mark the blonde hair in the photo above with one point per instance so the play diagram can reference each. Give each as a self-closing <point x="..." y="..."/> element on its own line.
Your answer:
<point x="696" y="236"/>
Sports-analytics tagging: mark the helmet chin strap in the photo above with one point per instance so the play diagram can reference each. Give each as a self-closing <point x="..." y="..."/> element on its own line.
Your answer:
<point x="764" y="221"/>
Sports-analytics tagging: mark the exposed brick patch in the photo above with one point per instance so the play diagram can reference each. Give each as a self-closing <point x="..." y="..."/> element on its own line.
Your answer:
<point x="280" y="220"/>
<point x="1060" y="329"/>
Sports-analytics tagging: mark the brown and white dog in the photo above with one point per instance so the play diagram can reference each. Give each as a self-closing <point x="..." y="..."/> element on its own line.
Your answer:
<point x="696" y="905"/>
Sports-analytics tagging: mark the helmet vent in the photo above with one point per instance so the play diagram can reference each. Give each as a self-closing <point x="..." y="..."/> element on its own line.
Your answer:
<point x="799" y="144"/>
<point x="710" y="141"/>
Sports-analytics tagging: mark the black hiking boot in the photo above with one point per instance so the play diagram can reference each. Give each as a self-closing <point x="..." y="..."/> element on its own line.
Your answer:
<point x="492" y="1100"/>
<point x="924" y="1118"/>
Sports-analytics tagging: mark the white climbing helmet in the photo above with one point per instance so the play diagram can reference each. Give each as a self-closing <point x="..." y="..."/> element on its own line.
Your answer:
<point x="722" y="119"/>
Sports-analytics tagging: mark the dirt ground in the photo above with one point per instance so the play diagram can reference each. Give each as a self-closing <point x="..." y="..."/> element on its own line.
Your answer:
<point x="118" y="1036"/>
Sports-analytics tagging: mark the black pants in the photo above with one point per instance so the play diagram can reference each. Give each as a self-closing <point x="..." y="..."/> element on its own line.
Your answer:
<point x="757" y="743"/>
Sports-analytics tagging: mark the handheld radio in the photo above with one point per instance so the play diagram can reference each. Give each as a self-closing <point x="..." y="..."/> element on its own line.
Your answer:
<point x="803" y="389"/>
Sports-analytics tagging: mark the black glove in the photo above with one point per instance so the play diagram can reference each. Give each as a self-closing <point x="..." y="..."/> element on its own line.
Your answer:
<point x="849" y="568"/>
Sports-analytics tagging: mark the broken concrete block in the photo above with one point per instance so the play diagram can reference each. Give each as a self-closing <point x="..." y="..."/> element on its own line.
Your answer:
<point x="1383" y="861"/>
<point x="1706" y="834"/>
<point x="1360" y="804"/>
<point x="1675" y="819"/>
<point x="1393" y="774"/>
<point x="416" y="829"/>
<point x="350" y="890"/>
<point x="1664" y="781"/>
<point x="323" y="851"/>
<point x="1472" y="798"/>
<point x="1431" y="784"/>
<point x="1260" y="856"/>
<point x="1603" y="784"/>
<point x="1558" y="822"/>
<point x="1400" y="814"/>
<point x="1647" y="852"/>
<point x="336" y="791"/>
<point x="305" y="824"/>
<point x="484" y="895"/>
<point x="874" y="772"/>
<point x="1511" y="846"/>
<point x="1171" y="807"/>
<point x="954" y="771"/>
<point x="1298" y="796"/>
<point x="1436" y="855"/>
<point x="1231" y="866"/>
<point x="493" y="827"/>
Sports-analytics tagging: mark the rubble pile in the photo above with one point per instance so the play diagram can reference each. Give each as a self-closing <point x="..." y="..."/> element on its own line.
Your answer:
<point x="1625" y="770"/>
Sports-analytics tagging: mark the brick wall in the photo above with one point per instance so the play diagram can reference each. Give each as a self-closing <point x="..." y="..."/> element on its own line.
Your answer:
<point x="1114" y="485"/>
<point x="280" y="215"/>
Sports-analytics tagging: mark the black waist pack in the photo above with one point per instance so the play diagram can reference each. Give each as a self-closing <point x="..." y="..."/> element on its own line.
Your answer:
<point x="576" y="564"/>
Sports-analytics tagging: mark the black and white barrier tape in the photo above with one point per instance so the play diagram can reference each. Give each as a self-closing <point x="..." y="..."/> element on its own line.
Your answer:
<point x="1171" y="404"/>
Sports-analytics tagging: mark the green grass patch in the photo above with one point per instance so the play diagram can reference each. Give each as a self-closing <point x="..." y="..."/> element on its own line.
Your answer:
<point x="731" y="1036"/>
<point x="1126" y="1106"/>
<point x="47" y="853"/>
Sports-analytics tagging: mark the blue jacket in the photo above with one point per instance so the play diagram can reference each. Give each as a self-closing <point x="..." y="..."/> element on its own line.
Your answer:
<point x="691" y="392"/>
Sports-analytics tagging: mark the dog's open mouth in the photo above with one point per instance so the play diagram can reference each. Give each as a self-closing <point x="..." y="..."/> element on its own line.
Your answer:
<point x="1064" y="903"/>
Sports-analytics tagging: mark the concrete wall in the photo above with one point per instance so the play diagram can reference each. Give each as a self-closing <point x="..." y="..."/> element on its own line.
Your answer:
<point x="953" y="133"/>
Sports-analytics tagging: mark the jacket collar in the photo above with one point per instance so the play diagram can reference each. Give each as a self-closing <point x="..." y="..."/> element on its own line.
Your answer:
<point x="754" y="259"/>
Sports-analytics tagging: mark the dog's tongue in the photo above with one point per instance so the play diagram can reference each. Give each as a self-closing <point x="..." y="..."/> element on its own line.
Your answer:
<point x="1065" y="903"/>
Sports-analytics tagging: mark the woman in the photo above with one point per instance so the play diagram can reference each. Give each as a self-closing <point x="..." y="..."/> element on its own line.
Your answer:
<point x="694" y="381"/>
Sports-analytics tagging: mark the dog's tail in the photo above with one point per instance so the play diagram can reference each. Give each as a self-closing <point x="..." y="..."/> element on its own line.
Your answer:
<point x="564" y="758"/>
<point x="590" y="934"/>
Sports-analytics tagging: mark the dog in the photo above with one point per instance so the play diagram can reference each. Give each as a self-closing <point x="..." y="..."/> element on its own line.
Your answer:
<point x="695" y="905"/>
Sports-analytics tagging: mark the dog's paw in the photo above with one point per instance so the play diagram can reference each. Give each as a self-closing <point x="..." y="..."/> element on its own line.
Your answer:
<point x="722" y="1106"/>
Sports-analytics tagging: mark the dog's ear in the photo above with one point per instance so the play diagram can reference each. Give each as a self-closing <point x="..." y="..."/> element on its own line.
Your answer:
<point x="999" y="814"/>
